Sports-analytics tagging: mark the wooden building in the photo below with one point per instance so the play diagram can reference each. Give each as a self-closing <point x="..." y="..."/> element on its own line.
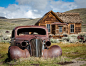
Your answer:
<point x="59" y="24"/>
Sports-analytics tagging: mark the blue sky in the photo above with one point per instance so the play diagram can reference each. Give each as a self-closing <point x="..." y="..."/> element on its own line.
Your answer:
<point x="67" y="0"/>
<point x="6" y="3"/>
<point x="36" y="8"/>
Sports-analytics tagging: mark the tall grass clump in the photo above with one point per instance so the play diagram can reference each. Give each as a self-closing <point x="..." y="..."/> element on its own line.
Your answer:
<point x="72" y="38"/>
<point x="54" y="40"/>
<point x="5" y="37"/>
<point x="41" y="61"/>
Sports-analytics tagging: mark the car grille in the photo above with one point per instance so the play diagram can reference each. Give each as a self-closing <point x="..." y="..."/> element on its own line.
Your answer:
<point x="36" y="47"/>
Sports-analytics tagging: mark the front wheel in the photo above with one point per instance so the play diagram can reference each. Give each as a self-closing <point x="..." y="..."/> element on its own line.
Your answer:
<point x="9" y="51"/>
<point x="29" y="48"/>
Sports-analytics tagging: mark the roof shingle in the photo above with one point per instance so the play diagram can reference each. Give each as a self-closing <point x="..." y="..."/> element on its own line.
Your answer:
<point x="69" y="17"/>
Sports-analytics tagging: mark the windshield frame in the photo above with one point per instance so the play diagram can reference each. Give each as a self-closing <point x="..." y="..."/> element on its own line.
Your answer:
<point x="34" y="30"/>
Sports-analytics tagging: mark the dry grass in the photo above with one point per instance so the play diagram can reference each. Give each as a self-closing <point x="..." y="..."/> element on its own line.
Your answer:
<point x="74" y="45"/>
<point x="41" y="61"/>
<point x="70" y="51"/>
<point x="73" y="50"/>
<point x="4" y="48"/>
<point x="3" y="51"/>
<point x="10" y="24"/>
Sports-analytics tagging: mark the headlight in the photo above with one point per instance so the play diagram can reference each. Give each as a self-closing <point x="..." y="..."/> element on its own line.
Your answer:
<point x="48" y="43"/>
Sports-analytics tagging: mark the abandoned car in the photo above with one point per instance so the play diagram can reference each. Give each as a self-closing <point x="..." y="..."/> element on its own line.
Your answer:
<point x="28" y="41"/>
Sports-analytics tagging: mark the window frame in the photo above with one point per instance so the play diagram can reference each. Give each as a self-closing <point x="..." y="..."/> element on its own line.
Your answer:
<point x="48" y="27"/>
<point x="72" y="28"/>
<point x="60" y="29"/>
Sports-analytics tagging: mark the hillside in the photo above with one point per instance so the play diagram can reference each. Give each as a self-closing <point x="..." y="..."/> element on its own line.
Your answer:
<point x="9" y="24"/>
<point x="3" y="18"/>
<point x="81" y="11"/>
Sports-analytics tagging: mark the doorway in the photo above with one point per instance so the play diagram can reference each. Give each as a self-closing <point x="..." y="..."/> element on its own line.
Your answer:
<point x="53" y="29"/>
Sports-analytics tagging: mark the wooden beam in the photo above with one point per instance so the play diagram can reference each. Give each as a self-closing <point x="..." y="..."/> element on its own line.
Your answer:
<point x="39" y="24"/>
<point x="74" y="28"/>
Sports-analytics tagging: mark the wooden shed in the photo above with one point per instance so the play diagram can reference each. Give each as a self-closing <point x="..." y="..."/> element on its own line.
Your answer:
<point x="59" y="24"/>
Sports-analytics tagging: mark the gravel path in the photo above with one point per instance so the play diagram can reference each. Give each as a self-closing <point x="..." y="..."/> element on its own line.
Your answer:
<point x="76" y="63"/>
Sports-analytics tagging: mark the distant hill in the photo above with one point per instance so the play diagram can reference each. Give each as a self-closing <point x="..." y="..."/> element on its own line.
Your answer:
<point x="9" y="24"/>
<point x="81" y="11"/>
<point x="3" y="18"/>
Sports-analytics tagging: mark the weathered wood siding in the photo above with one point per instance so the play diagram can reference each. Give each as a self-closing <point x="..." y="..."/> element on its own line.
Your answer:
<point x="50" y="18"/>
<point x="77" y="27"/>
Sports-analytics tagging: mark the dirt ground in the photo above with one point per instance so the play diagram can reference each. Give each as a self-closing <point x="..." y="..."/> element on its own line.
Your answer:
<point x="75" y="63"/>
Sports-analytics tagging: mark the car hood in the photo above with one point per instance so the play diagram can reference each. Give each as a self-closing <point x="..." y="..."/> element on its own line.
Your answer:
<point x="29" y="37"/>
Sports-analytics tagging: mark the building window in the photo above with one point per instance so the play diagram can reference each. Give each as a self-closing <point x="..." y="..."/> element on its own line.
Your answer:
<point x="48" y="27"/>
<point x="60" y="28"/>
<point x="72" y="28"/>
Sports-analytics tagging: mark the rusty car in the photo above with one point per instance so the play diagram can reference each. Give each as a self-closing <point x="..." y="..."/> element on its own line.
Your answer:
<point x="32" y="41"/>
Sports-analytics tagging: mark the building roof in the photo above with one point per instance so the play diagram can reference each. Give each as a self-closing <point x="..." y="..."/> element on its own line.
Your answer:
<point x="64" y="17"/>
<point x="69" y="17"/>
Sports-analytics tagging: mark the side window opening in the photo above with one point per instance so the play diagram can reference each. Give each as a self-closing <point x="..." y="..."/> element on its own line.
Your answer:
<point x="13" y="33"/>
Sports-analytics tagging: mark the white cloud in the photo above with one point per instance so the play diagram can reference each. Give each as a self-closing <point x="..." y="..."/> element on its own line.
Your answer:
<point x="63" y="6"/>
<point x="35" y="4"/>
<point x="18" y="11"/>
<point x="37" y="8"/>
<point x="31" y="14"/>
<point x="81" y="3"/>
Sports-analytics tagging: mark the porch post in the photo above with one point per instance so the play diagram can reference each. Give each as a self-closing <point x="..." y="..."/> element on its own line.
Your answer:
<point x="50" y="29"/>
<point x="55" y="29"/>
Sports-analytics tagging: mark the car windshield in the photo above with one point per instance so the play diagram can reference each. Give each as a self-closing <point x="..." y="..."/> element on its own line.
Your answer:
<point x="31" y="31"/>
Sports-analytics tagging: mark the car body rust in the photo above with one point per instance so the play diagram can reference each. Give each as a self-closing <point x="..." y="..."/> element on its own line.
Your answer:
<point x="34" y="41"/>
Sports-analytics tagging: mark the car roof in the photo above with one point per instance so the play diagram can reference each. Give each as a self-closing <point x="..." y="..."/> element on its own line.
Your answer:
<point x="30" y="26"/>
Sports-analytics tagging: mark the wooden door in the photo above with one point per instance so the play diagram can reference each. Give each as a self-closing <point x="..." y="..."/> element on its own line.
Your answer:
<point x="53" y="29"/>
